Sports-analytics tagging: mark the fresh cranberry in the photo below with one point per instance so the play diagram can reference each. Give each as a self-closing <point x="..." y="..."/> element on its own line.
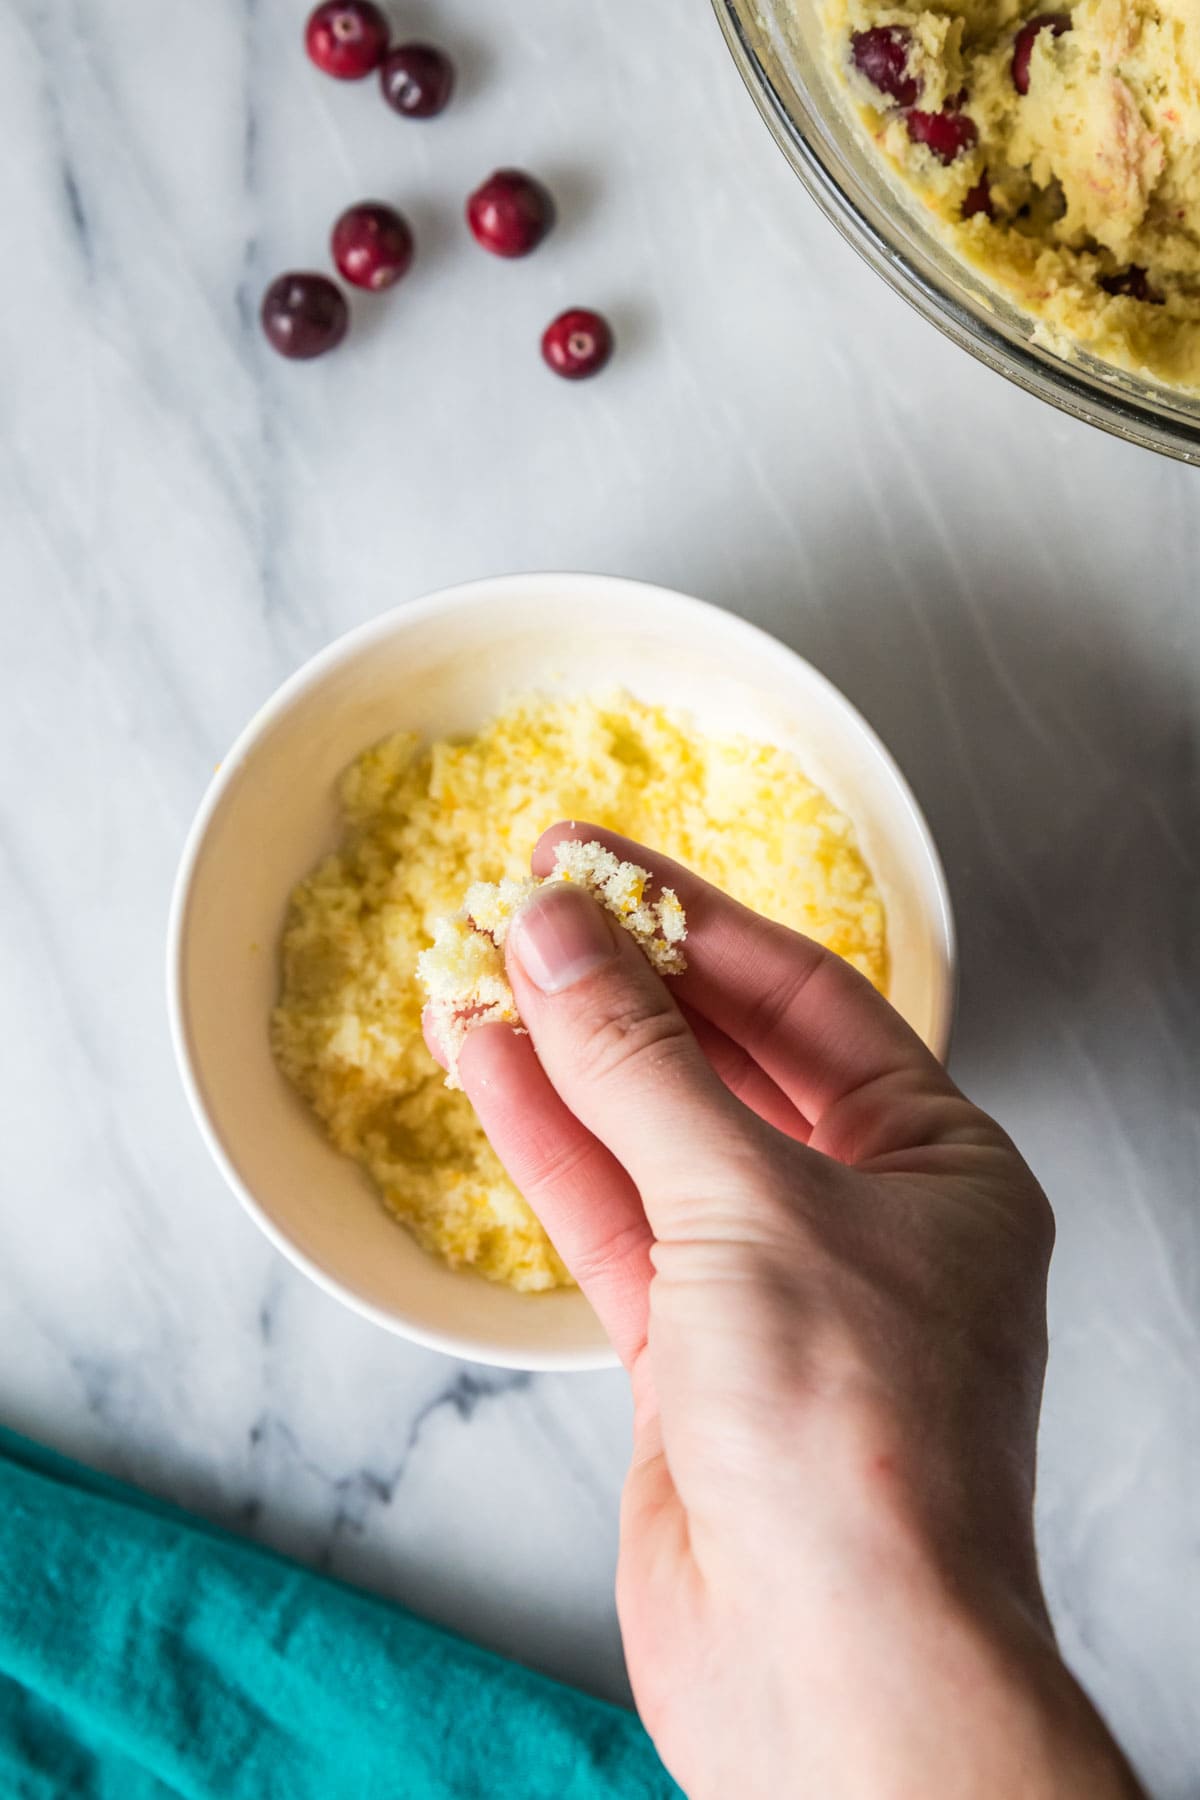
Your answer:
<point x="979" y="199"/>
<point x="510" y="214"/>
<point x="881" y="54"/>
<point x="417" y="80"/>
<point x="578" y="343"/>
<point x="1023" y="45"/>
<point x="372" y="245"/>
<point x="947" y="133"/>
<point x="346" y="38"/>
<point x="1132" y="282"/>
<point x="304" y="315"/>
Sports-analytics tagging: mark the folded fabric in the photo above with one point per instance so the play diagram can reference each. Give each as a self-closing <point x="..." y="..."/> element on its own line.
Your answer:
<point x="145" y="1653"/>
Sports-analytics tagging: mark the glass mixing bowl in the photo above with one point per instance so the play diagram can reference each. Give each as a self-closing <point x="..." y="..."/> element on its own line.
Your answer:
<point x="779" y="47"/>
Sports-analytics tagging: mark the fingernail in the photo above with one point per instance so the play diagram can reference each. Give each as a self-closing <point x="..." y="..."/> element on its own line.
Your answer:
<point x="559" y="936"/>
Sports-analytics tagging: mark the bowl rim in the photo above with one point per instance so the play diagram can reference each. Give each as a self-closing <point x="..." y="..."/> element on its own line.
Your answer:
<point x="1044" y="376"/>
<point x="309" y="676"/>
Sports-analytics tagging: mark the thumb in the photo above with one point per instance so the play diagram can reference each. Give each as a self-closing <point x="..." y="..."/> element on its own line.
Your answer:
<point x="622" y="1057"/>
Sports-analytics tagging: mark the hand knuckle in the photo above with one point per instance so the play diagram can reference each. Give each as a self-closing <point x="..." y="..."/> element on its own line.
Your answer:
<point x="627" y="1036"/>
<point x="771" y="1015"/>
<point x="560" y="1164"/>
<point x="612" y="1252"/>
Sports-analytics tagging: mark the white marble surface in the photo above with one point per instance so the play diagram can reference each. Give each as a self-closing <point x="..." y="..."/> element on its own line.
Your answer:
<point x="1012" y="599"/>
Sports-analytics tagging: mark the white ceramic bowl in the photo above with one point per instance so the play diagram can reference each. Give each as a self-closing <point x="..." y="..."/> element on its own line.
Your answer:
<point x="436" y="666"/>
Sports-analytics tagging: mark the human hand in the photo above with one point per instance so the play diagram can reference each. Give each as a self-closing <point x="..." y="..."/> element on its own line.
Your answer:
<point x="825" y="1272"/>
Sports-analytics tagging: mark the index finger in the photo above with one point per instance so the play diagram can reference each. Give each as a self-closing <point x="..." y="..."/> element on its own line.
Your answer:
<point x="589" y="1206"/>
<point x="811" y="1021"/>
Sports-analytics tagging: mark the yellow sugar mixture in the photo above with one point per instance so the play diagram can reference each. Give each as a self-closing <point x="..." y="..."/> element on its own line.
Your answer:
<point x="1079" y="196"/>
<point x="463" y="972"/>
<point x="421" y="825"/>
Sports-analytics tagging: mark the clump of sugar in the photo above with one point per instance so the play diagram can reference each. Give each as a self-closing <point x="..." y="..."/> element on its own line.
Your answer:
<point x="463" y="971"/>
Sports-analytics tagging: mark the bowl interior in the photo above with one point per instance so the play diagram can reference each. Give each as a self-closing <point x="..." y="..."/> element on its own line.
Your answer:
<point x="440" y="667"/>
<point x="779" y="45"/>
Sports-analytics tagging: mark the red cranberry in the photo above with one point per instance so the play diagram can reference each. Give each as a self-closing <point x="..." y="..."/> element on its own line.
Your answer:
<point x="947" y="133"/>
<point x="347" y="38"/>
<point x="979" y="199"/>
<point x="510" y="214"/>
<point x="372" y="245"/>
<point x="578" y="343"/>
<point x="1134" y="283"/>
<point x="881" y="54"/>
<point x="1023" y="44"/>
<point x="417" y="80"/>
<point x="304" y="315"/>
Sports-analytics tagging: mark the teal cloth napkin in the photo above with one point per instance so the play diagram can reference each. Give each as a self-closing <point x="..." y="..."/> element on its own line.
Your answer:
<point x="145" y="1654"/>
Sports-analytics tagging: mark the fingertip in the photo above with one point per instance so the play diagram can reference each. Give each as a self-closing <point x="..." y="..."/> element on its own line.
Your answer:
<point x="481" y="1047"/>
<point x="433" y="1042"/>
<point x="560" y="935"/>
<point x="492" y="1052"/>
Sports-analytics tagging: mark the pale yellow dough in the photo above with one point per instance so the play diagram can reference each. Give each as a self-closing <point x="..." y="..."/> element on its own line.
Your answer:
<point x="1094" y="173"/>
<point x="421" y="824"/>
<point x="463" y="972"/>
